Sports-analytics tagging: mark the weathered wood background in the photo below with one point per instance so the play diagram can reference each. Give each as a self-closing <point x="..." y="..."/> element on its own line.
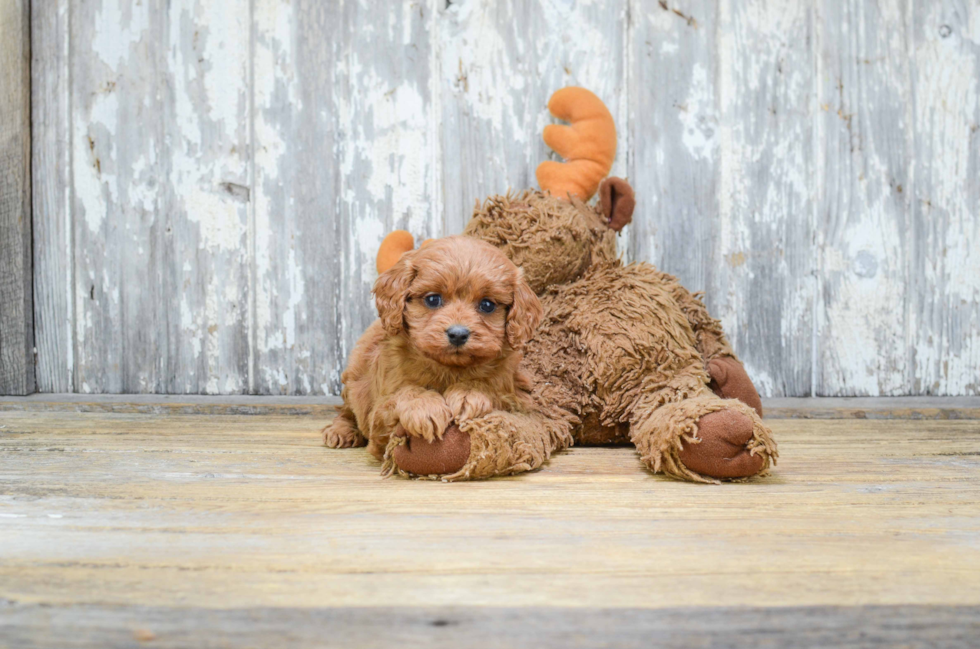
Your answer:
<point x="212" y="178"/>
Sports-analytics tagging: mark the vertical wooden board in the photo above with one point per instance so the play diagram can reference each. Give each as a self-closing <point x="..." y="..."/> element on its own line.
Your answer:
<point x="208" y="60"/>
<point x="674" y="142"/>
<point x="945" y="229"/>
<point x="51" y="170"/>
<point x="160" y="181"/>
<point x="16" y="306"/>
<point x="763" y="282"/>
<point x="863" y="215"/>
<point x="344" y="137"/>
<point x="296" y="223"/>
<point x="499" y="63"/>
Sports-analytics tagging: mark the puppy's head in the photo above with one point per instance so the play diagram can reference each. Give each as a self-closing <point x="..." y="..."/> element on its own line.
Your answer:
<point x="459" y="301"/>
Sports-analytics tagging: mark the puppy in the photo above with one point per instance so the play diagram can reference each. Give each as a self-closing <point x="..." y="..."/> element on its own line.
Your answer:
<point x="453" y="318"/>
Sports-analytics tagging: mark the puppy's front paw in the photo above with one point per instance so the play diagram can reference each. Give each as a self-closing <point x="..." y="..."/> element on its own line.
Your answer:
<point x="468" y="404"/>
<point x="426" y="417"/>
<point x="342" y="433"/>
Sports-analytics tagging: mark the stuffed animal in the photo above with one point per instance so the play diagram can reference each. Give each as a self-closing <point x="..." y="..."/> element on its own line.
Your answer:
<point x="624" y="353"/>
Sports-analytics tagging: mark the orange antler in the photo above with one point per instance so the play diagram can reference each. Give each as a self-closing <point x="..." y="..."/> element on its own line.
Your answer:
<point x="393" y="246"/>
<point x="396" y="244"/>
<point x="588" y="145"/>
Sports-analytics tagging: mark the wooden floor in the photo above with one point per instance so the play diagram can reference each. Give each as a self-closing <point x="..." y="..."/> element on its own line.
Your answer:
<point x="126" y="529"/>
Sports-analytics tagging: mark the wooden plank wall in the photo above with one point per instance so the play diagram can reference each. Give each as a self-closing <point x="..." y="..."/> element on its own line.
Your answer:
<point x="212" y="179"/>
<point x="16" y="308"/>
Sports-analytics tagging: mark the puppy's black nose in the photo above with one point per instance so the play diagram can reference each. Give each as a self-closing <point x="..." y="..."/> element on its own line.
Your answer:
<point x="458" y="335"/>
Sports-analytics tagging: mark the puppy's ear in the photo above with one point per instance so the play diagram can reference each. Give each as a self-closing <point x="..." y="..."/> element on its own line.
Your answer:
<point x="524" y="314"/>
<point x="391" y="293"/>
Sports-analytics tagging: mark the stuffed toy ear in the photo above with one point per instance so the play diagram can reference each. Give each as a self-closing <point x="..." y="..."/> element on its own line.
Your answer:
<point x="616" y="201"/>
<point x="588" y="144"/>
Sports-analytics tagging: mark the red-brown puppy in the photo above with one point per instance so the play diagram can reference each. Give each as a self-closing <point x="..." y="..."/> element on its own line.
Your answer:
<point x="453" y="317"/>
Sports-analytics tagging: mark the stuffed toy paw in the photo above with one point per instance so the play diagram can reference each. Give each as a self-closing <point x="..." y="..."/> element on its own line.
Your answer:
<point x="416" y="456"/>
<point x="721" y="446"/>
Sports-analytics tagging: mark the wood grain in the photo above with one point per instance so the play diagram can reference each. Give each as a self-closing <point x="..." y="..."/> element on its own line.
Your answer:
<point x="16" y="273"/>
<point x="231" y="512"/>
<point x="912" y="627"/>
<point x="51" y="154"/>
<point x="722" y="148"/>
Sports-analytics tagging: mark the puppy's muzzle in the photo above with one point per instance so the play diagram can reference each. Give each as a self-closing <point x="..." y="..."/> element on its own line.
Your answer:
<point x="457" y="335"/>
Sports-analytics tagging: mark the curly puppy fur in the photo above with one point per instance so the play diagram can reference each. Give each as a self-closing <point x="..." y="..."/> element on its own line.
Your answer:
<point x="622" y="352"/>
<point x="454" y="316"/>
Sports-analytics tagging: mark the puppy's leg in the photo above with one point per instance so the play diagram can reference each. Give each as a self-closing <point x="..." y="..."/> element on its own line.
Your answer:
<point x="342" y="432"/>
<point x="422" y="413"/>
<point x="409" y="412"/>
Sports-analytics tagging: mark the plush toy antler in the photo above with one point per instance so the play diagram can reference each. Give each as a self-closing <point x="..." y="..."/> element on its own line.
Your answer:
<point x="396" y="244"/>
<point x="588" y="145"/>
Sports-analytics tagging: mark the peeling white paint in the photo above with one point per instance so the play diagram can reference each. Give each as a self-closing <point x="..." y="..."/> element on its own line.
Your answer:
<point x="95" y="186"/>
<point x="475" y="53"/>
<point x="698" y="116"/>
<point x="273" y="70"/>
<point x="125" y="26"/>
<point x="296" y="298"/>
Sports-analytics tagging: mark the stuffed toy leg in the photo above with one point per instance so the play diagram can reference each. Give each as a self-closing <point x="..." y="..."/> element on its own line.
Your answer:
<point x="499" y="443"/>
<point x="701" y="438"/>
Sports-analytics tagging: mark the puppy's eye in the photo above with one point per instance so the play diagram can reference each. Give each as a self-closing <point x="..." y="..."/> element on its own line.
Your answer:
<point x="433" y="300"/>
<point x="487" y="306"/>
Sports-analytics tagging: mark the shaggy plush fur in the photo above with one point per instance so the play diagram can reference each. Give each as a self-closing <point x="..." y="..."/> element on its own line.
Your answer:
<point x="624" y="351"/>
<point x="454" y="316"/>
